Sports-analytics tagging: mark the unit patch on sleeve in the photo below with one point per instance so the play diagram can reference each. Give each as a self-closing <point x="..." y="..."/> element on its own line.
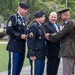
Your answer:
<point x="31" y="34"/>
<point x="9" y="23"/>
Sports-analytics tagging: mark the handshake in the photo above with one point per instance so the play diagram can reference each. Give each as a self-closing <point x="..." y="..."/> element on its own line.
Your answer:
<point x="47" y="36"/>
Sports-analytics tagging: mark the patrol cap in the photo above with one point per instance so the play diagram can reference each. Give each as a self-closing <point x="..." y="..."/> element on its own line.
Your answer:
<point x="24" y="5"/>
<point x="39" y="14"/>
<point x="61" y="12"/>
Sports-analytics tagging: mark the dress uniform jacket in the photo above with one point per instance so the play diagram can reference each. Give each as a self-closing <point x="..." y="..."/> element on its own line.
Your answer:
<point x="52" y="48"/>
<point x="15" y="30"/>
<point x="67" y="37"/>
<point x="36" y="42"/>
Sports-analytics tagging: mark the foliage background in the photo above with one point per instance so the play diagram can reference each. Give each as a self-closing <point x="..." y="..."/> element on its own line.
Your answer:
<point x="8" y="7"/>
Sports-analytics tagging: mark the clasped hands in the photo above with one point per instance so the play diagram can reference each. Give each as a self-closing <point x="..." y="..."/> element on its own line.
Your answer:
<point x="47" y="36"/>
<point x="23" y="36"/>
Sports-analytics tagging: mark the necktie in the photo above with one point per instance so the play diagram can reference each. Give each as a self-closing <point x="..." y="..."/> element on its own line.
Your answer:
<point x="56" y="27"/>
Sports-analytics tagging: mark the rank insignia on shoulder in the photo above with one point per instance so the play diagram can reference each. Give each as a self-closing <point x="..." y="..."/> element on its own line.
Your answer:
<point x="31" y="34"/>
<point x="66" y="22"/>
<point x="9" y="23"/>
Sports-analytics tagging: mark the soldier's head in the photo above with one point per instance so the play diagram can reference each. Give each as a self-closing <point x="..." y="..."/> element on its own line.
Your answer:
<point x="64" y="14"/>
<point x="53" y="17"/>
<point x="23" y="8"/>
<point x="39" y="16"/>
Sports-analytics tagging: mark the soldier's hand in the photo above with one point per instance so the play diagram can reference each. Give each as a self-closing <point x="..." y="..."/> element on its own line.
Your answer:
<point x="47" y="36"/>
<point x="33" y="57"/>
<point x="26" y="36"/>
<point x="23" y="36"/>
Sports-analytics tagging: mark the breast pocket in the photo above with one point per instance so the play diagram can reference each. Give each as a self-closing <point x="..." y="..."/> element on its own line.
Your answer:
<point x="69" y="49"/>
<point x="40" y="34"/>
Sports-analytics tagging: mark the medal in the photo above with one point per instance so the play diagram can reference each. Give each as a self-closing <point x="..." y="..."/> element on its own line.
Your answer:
<point x="24" y="24"/>
<point x="40" y="37"/>
<point x="19" y="21"/>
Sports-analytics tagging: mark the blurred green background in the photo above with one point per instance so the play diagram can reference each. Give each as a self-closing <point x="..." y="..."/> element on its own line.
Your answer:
<point x="9" y="7"/>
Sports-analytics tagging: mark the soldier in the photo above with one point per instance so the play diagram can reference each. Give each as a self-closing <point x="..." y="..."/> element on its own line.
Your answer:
<point x="67" y="37"/>
<point x="36" y="43"/>
<point x="16" y="29"/>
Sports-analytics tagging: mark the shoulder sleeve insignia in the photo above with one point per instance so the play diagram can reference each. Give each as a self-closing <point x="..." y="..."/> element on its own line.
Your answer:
<point x="9" y="23"/>
<point x="31" y="34"/>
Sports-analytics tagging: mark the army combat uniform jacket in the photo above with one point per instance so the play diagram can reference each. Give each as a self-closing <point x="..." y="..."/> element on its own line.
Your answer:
<point x="36" y="42"/>
<point x="15" y="28"/>
<point x="67" y="37"/>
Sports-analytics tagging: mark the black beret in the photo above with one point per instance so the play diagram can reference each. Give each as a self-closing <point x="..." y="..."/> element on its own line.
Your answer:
<point x="61" y="12"/>
<point x="65" y="10"/>
<point x="39" y="14"/>
<point x="24" y="5"/>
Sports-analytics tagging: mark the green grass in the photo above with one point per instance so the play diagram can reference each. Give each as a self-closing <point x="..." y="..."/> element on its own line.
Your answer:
<point x="3" y="40"/>
<point x="4" y="58"/>
<point x="1" y="29"/>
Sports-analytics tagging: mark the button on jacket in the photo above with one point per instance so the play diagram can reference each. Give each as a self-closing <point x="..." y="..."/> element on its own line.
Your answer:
<point x="15" y="30"/>
<point x="36" y="41"/>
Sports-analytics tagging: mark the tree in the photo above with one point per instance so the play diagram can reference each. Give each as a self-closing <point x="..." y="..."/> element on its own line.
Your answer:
<point x="46" y="5"/>
<point x="70" y="5"/>
<point x="8" y="7"/>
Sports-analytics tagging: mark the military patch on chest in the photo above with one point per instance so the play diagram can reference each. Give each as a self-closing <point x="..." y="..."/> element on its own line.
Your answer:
<point x="31" y="34"/>
<point x="9" y="23"/>
<point x="19" y="21"/>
